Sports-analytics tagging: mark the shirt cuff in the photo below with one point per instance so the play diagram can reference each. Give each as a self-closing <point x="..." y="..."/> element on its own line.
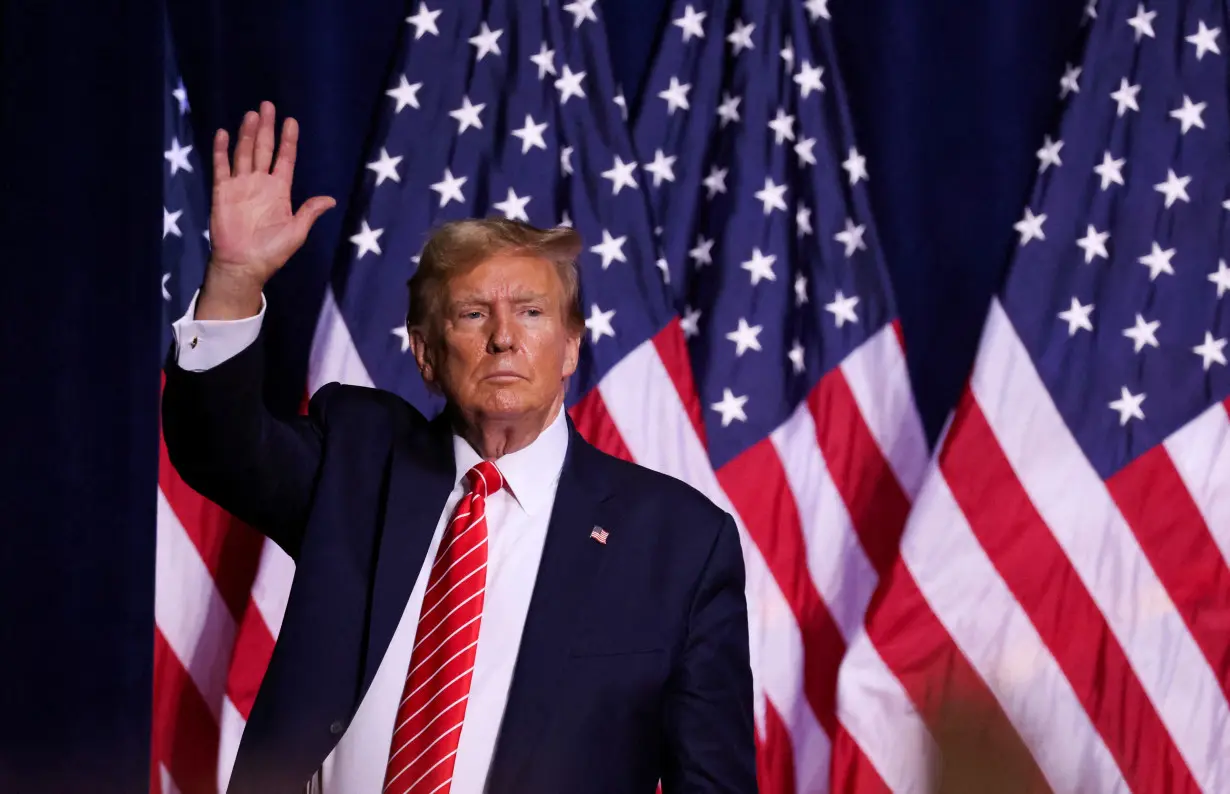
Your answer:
<point x="204" y="344"/>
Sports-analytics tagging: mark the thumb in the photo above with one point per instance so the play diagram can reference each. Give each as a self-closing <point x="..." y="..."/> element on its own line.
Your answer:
<point x="309" y="211"/>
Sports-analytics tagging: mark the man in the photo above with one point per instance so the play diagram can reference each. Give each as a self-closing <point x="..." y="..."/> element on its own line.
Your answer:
<point x="484" y="601"/>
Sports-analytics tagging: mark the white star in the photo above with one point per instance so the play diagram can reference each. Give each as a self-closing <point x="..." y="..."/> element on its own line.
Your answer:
<point x="852" y="237"/>
<point x="544" y="59"/>
<point x="716" y="181"/>
<point x="1094" y="244"/>
<point x="1111" y="170"/>
<point x="809" y="79"/>
<point x="741" y="37"/>
<point x="620" y="175"/>
<point x="782" y="126"/>
<point x="802" y="219"/>
<point x="406" y="94"/>
<point x="424" y="22"/>
<point x="772" y="196"/>
<point x="1211" y="351"/>
<point x="690" y="322"/>
<point x="760" y="266"/>
<point x="817" y="9"/>
<point x="796" y="357"/>
<point x="856" y="165"/>
<point x="664" y="266"/>
<point x="402" y="333"/>
<point x="1070" y="83"/>
<point x="745" y="337"/>
<point x="531" y="135"/>
<point x="513" y="206"/>
<point x="662" y="167"/>
<point x="1048" y="155"/>
<point x="1205" y="40"/>
<point x="385" y="167"/>
<point x="702" y="253"/>
<point x="1190" y="114"/>
<point x="1077" y="317"/>
<point x="181" y="95"/>
<point x="676" y="95"/>
<point x="1174" y="187"/>
<point x="366" y="239"/>
<point x="467" y="115"/>
<point x="565" y="220"/>
<point x="803" y="150"/>
<point x="611" y="249"/>
<point x="599" y="323"/>
<point x="1158" y="261"/>
<point x="569" y="85"/>
<point x="449" y="188"/>
<point x="1143" y="333"/>
<point x="843" y="309"/>
<point x="622" y="102"/>
<point x="1091" y="10"/>
<point x="487" y="41"/>
<point x="1128" y="406"/>
<point x="690" y="23"/>
<point x="581" y="10"/>
<point x="1126" y="96"/>
<point x="800" y="290"/>
<point x="166" y="296"/>
<point x="730" y="407"/>
<point x="1143" y="22"/>
<point x="565" y="159"/>
<point x="1030" y="227"/>
<point x="728" y="111"/>
<point x="787" y="54"/>
<point x="177" y="156"/>
<point x="1221" y="278"/>
<point x="170" y="223"/>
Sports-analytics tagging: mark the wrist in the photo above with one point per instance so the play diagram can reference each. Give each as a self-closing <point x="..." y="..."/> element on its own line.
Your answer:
<point x="228" y="295"/>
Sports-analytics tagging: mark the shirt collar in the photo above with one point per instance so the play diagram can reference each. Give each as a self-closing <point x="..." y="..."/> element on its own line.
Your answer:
<point x="529" y="472"/>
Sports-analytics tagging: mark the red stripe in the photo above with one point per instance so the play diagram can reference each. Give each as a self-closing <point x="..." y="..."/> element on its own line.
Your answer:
<point x="249" y="660"/>
<point x="756" y="484"/>
<point x="672" y="347"/>
<point x="874" y="499"/>
<point x="774" y="755"/>
<point x="1048" y="589"/>
<point x="595" y="425"/>
<point x="1168" y="524"/>
<point x="851" y="771"/>
<point x="959" y="710"/>
<point x="185" y="734"/>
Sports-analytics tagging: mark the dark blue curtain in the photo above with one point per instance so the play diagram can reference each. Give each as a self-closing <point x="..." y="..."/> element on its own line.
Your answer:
<point x="950" y="100"/>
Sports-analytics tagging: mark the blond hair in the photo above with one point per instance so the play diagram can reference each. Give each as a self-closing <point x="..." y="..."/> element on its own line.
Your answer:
<point x="457" y="246"/>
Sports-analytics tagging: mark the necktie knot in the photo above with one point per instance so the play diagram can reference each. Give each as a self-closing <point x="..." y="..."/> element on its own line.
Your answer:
<point x="485" y="478"/>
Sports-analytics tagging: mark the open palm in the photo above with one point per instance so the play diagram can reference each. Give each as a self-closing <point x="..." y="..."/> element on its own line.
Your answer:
<point x="253" y="230"/>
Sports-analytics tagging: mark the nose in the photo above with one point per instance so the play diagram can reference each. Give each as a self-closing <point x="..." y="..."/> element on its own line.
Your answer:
<point x="503" y="332"/>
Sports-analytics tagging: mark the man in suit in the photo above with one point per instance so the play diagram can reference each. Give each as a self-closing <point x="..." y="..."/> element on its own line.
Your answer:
<point x="482" y="602"/>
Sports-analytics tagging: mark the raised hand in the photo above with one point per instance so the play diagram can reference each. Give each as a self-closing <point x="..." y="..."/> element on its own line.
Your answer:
<point x="253" y="230"/>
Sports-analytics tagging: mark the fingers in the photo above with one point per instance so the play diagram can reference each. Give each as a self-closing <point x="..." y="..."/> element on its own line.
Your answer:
<point x="312" y="209"/>
<point x="263" y="155"/>
<point x="246" y="144"/>
<point x="288" y="150"/>
<point x="222" y="166"/>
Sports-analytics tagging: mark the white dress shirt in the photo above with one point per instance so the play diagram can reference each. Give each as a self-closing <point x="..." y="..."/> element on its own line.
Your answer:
<point x="517" y="520"/>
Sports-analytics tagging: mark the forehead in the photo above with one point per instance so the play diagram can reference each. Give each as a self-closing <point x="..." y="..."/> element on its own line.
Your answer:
<point x="506" y="274"/>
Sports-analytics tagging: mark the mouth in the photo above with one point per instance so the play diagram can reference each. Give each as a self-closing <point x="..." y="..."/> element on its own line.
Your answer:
<point x="503" y="377"/>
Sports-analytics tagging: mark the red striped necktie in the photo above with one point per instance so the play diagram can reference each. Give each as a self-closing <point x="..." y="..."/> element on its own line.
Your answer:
<point x="433" y="702"/>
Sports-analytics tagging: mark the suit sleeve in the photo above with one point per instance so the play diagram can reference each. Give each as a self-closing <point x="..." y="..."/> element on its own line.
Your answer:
<point x="710" y="727"/>
<point x="227" y="446"/>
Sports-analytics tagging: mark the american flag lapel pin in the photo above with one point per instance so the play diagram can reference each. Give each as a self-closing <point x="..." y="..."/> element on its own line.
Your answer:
<point x="599" y="534"/>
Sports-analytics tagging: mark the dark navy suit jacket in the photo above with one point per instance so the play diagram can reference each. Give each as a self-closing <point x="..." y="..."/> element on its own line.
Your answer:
<point x="633" y="666"/>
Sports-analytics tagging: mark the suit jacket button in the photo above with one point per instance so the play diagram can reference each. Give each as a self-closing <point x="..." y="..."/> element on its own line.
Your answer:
<point x="337" y="727"/>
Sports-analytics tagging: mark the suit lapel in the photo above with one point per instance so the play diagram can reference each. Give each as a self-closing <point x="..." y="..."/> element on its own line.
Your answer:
<point x="420" y="476"/>
<point x="571" y="561"/>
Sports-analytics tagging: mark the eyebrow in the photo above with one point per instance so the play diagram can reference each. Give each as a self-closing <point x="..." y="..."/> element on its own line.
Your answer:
<point x="520" y="297"/>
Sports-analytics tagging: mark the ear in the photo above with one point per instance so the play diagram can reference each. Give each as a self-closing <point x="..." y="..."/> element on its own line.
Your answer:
<point x="423" y="355"/>
<point x="572" y="352"/>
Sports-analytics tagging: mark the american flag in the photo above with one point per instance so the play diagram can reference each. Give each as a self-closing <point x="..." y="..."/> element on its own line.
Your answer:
<point x="740" y="334"/>
<point x="1063" y="577"/>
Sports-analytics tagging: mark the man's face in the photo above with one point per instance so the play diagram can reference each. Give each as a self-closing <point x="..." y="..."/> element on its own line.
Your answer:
<point x="503" y="347"/>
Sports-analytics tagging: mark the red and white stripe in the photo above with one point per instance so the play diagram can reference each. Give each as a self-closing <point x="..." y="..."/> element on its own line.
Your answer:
<point x="820" y="506"/>
<point x="1085" y="620"/>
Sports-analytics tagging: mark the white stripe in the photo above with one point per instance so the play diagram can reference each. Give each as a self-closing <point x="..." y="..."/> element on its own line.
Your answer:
<point x="1078" y="509"/>
<point x="979" y="612"/>
<point x="189" y="610"/>
<point x="835" y="557"/>
<point x="439" y="716"/>
<point x="230" y="734"/>
<point x="456" y="631"/>
<point x="271" y="587"/>
<point x="645" y="407"/>
<point x="164" y="778"/>
<point x="451" y="612"/>
<point x="334" y="356"/>
<point x="1200" y="451"/>
<point x="877" y="374"/>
